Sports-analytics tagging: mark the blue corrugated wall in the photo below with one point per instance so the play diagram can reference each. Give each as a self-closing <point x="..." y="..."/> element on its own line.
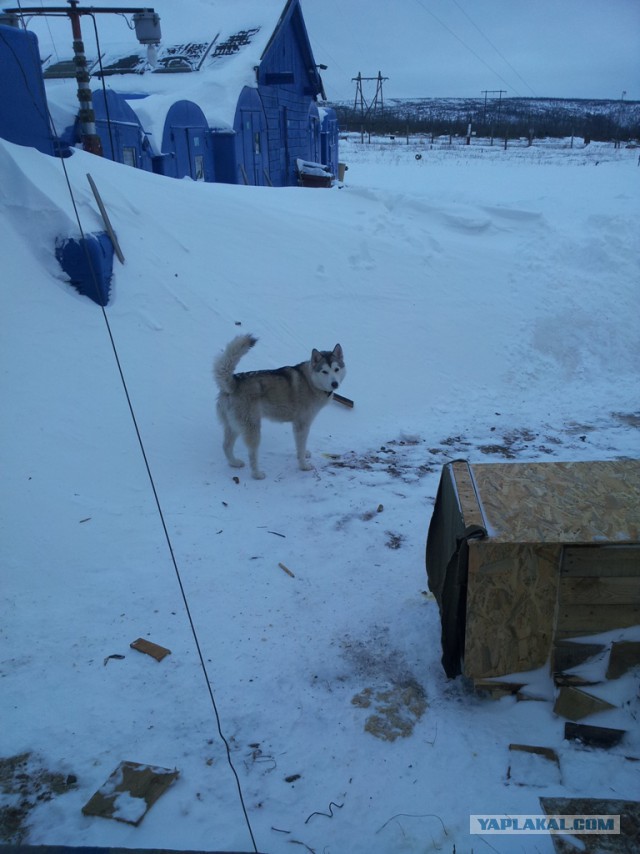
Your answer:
<point x="288" y="89"/>
<point x="24" y="117"/>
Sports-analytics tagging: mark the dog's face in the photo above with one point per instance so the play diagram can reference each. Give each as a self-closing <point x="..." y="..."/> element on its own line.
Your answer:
<point x="327" y="368"/>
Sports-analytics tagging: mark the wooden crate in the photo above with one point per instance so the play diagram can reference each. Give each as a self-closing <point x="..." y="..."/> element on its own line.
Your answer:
<point x="522" y="557"/>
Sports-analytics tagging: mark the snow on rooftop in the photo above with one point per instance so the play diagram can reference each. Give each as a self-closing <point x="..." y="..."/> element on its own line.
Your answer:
<point x="223" y="41"/>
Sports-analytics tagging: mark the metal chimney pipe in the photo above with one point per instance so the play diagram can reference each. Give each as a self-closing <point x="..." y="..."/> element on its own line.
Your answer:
<point x="90" y="139"/>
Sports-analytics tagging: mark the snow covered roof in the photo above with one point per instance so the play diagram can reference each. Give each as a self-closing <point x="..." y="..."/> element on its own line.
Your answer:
<point x="216" y="43"/>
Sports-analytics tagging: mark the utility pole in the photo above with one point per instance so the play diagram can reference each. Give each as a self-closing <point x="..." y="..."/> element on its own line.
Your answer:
<point x="620" y="111"/>
<point x="378" y="99"/>
<point x="493" y="92"/>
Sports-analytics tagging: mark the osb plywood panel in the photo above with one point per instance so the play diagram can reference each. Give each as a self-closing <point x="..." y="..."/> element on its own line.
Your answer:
<point x="593" y="502"/>
<point x="625" y="842"/>
<point x="511" y="596"/>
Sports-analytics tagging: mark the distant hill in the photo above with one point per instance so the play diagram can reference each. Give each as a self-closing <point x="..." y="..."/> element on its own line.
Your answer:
<point x="512" y="117"/>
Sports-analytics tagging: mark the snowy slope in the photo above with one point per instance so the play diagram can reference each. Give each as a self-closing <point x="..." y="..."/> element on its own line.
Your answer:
<point x="487" y="306"/>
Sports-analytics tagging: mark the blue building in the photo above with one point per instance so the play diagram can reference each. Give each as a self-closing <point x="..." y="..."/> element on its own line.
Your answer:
<point x="24" y="114"/>
<point x="121" y="133"/>
<point x="289" y="86"/>
<point x="240" y="106"/>
<point x="329" y="139"/>
<point x="187" y="147"/>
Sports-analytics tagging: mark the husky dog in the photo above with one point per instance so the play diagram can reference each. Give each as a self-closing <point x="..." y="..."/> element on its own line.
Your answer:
<point x="294" y="394"/>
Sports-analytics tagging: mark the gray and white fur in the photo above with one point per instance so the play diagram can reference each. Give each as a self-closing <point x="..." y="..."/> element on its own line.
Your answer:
<point x="293" y="393"/>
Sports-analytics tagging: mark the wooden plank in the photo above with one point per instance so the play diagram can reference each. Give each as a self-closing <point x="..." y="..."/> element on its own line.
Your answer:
<point x="578" y="620"/>
<point x="595" y="736"/>
<point x="574" y="704"/>
<point x="567" y="655"/>
<point x="149" y="648"/>
<point x="600" y="591"/>
<point x="467" y="495"/>
<point x="106" y="220"/>
<point x="624" y="656"/>
<point x="562" y="680"/>
<point x="601" y="561"/>
<point x="546" y="752"/>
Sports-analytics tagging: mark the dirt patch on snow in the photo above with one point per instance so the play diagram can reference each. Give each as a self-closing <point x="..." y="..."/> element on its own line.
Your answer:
<point x="396" y="709"/>
<point x="25" y="783"/>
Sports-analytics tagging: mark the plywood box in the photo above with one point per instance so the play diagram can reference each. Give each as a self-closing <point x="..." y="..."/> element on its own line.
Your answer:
<point x="521" y="556"/>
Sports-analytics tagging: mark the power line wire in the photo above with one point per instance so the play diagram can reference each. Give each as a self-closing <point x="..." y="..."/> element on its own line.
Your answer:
<point x="165" y="529"/>
<point x="148" y="470"/>
<point x="500" y="54"/>
<point x="465" y="45"/>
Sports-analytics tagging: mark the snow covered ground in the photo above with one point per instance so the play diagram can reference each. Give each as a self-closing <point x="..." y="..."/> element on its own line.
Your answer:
<point x="487" y="303"/>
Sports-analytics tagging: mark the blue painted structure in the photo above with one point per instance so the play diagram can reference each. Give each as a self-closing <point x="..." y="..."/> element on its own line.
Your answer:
<point x="24" y="115"/>
<point x="276" y="122"/>
<point x="288" y="86"/>
<point x="224" y="156"/>
<point x="252" y="143"/>
<point x="121" y="134"/>
<point x="88" y="261"/>
<point x="254" y="135"/>
<point x="329" y="139"/>
<point x="187" y="147"/>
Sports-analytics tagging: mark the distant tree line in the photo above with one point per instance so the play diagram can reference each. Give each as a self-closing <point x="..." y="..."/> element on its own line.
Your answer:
<point x="511" y="118"/>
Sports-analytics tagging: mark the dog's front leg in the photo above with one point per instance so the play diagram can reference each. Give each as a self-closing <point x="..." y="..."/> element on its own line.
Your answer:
<point x="301" y="434"/>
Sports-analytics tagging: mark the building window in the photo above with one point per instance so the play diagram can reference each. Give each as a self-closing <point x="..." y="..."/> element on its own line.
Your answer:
<point x="129" y="155"/>
<point x="279" y="78"/>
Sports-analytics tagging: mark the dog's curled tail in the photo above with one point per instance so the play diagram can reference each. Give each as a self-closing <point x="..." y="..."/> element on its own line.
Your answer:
<point x="225" y="364"/>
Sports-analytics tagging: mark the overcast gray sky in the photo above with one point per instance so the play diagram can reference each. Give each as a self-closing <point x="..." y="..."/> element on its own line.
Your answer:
<point x="457" y="48"/>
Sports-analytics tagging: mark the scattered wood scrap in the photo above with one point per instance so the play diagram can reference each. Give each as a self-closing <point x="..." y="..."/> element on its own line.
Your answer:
<point x="130" y="792"/>
<point x="593" y="736"/>
<point x="568" y="654"/>
<point x="589" y="843"/>
<point x="623" y="657"/>
<point x="286" y="569"/>
<point x="574" y="704"/>
<point x="153" y="649"/>
<point x="532" y="765"/>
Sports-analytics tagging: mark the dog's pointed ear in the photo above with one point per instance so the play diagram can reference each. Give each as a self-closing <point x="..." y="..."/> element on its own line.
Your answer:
<point x="316" y="356"/>
<point x="337" y="352"/>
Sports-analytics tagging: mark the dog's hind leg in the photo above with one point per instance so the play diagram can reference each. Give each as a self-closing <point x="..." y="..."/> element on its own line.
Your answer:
<point x="230" y="436"/>
<point x="251" y="436"/>
<point x="231" y="433"/>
